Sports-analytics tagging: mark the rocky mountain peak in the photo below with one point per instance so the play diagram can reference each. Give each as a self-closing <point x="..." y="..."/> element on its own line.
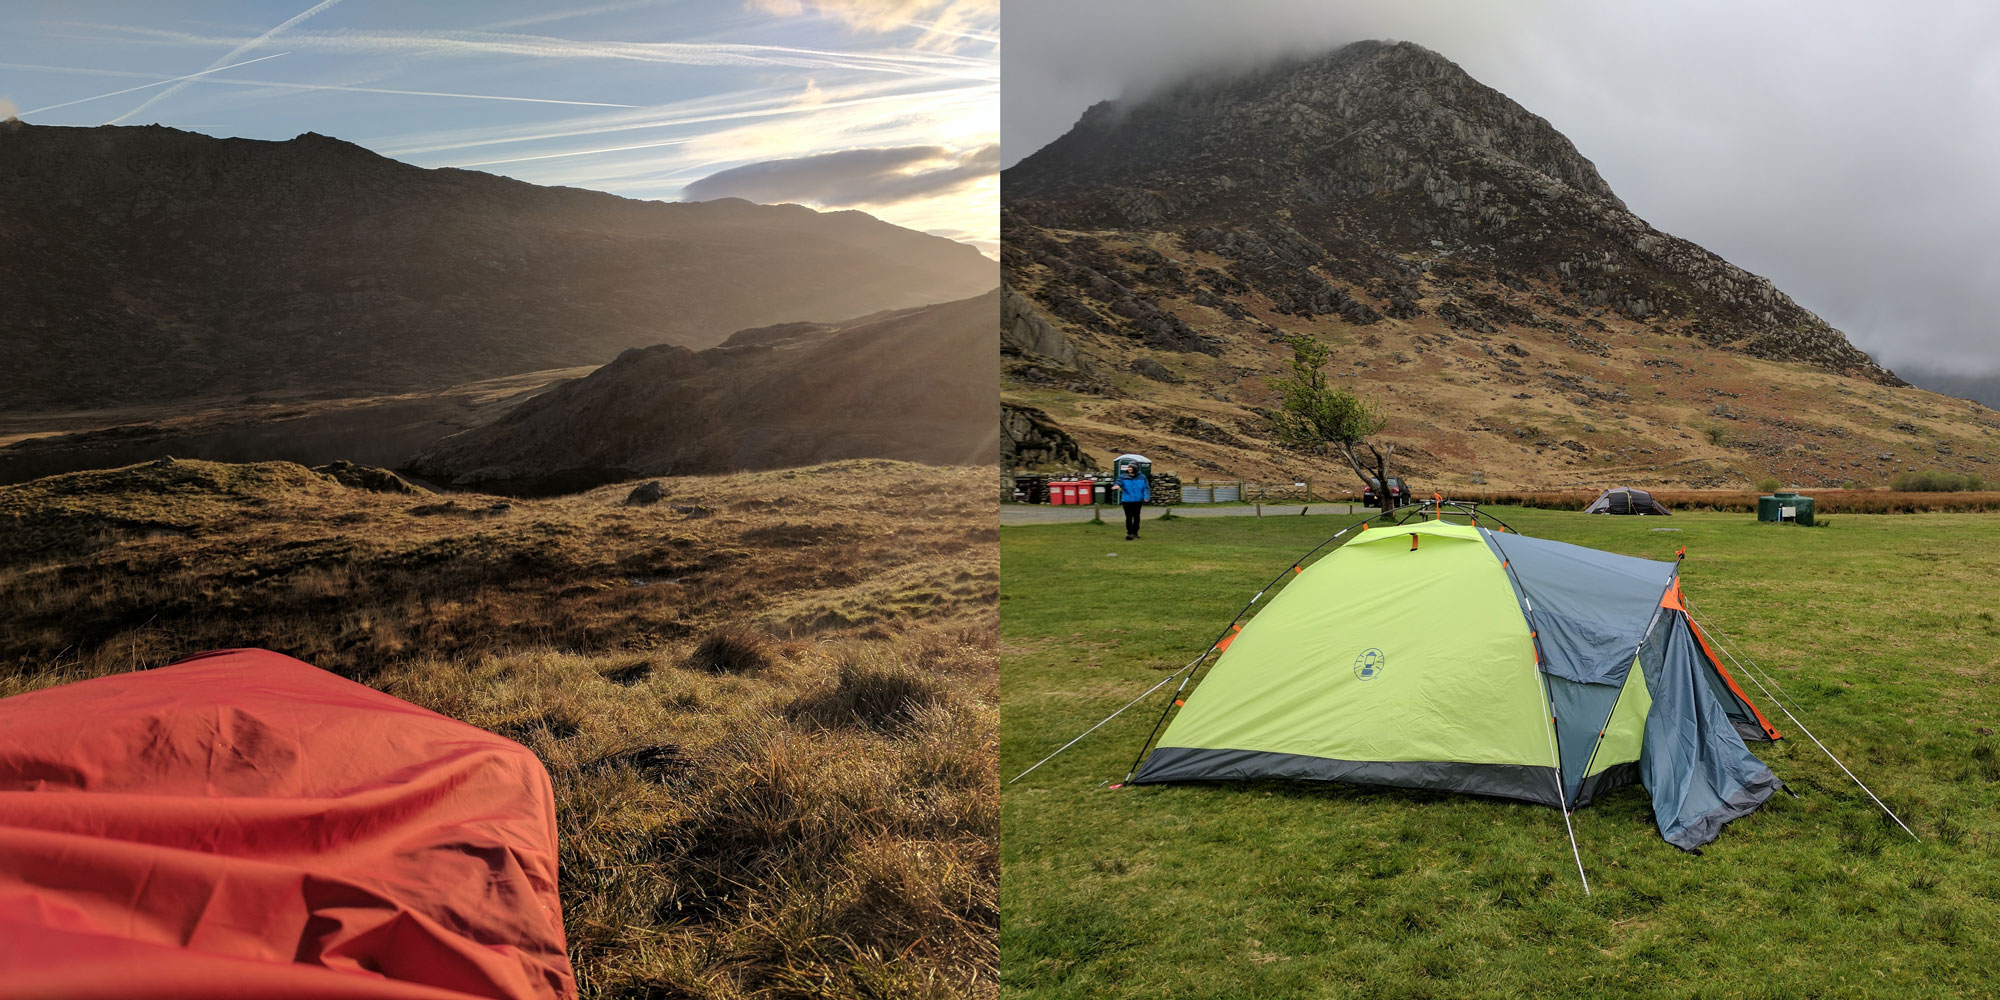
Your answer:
<point x="1346" y="119"/>
<point x="1359" y="174"/>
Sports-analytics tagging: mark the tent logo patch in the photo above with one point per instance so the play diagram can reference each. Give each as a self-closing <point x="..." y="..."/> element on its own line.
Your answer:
<point x="1370" y="664"/>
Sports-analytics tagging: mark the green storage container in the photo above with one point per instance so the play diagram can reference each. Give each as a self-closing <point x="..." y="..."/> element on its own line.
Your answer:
<point x="1786" y="507"/>
<point x="1802" y="508"/>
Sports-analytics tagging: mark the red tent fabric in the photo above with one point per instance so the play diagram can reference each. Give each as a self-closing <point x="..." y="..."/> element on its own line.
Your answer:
<point x="241" y="824"/>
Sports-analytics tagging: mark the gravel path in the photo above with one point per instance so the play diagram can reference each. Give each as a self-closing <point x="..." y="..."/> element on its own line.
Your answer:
<point x="1013" y="514"/>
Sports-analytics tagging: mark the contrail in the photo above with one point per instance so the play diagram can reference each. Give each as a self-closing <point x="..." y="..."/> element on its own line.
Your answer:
<point x="155" y="83"/>
<point x="670" y="122"/>
<point x="418" y="93"/>
<point x="902" y="62"/>
<point x="292" y="86"/>
<point x="936" y="28"/>
<point x="233" y="53"/>
<point x="577" y="152"/>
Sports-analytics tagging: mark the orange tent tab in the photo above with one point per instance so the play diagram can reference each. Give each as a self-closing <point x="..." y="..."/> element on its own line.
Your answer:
<point x="241" y="824"/>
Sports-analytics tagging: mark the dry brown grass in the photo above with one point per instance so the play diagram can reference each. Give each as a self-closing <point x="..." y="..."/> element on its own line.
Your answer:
<point x="773" y="748"/>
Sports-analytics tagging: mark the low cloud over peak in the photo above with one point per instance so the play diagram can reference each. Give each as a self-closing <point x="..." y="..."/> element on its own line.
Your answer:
<point x="852" y="178"/>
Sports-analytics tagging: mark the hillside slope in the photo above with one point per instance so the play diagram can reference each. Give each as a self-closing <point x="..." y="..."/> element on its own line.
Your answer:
<point x="1480" y="282"/>
<point x="914" y="384"/>
<point x="147" y="264"/>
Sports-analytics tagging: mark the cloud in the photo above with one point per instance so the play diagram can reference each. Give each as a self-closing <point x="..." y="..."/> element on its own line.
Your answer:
<point x="953" y="22"/>
<point x="852" y="177"/>
<point x="8" y="109"/>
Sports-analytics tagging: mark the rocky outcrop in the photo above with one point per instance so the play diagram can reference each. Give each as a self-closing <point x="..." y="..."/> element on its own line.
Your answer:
<point x="1028" y="438"/>
<point x="147" y="264"/>
<point x="1025" y="331"/>
<point x="365" y="477"/>
<point x="1334" y="186"/>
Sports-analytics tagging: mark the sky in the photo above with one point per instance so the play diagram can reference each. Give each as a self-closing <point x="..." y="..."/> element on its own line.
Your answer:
<point x="887" y="106"/>
<point x="1846" y="150"/>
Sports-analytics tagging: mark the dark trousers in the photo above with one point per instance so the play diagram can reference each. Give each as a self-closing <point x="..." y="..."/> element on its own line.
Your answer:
<point x="1132" y="509"/>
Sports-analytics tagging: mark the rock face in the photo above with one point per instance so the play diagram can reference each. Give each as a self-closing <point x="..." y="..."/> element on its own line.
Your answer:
<point x="912" y="384"/>
<point x="1338" y="186"/>
<point x="1029" y="438"/>
<point x="1025" y="331"/>
<point x="183" y="266"/>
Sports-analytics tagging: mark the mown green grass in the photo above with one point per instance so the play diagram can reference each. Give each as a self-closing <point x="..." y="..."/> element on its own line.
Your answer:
<point x="1882" y="629"/>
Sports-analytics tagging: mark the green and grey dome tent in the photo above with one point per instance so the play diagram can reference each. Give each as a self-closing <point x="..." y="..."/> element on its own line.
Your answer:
<point x="1453" y="657"/>
<point x="1626" y="500"/>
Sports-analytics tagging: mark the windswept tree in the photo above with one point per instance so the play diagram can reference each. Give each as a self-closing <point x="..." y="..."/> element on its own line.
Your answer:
<point x="1319" y="418"/>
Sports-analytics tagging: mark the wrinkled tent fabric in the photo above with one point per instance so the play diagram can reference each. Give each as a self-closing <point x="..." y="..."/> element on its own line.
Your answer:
<point x="241" y="824"/>
<point x="1448" y="657"/>
<point x="1626" y="500"/>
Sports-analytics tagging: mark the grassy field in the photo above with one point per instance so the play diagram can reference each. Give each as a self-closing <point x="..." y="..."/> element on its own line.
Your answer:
<point x="1882" y="628"/>
<point x="768" y="702"/>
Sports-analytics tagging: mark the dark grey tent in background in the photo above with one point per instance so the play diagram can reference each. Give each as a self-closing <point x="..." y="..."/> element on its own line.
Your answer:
<point x="1625" y="500"/>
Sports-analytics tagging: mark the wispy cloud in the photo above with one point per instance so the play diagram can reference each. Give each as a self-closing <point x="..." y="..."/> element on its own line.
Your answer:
<point x="231" y="54"/>
<point x="852" y="177"/>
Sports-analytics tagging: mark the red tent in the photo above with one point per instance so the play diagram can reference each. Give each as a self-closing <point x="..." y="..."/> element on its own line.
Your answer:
<point x="241" y="824"/>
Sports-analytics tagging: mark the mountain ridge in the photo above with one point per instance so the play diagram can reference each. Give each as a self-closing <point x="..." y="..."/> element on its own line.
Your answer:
<point x="200" y="267"/>
<point x="912" y="384"/>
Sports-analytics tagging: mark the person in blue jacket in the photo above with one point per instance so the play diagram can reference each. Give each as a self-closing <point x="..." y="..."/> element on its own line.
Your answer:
<point x="1134" y="489"/>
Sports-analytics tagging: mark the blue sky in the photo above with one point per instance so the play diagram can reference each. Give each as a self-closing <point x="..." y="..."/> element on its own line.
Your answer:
<point x="888" y="106"/>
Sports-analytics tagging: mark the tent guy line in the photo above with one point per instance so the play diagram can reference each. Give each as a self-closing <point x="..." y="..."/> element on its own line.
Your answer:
<point x="1752" y="670"/>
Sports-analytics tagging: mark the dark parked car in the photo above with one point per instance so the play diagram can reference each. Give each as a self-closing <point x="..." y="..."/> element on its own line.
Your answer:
<point x="1399" y="492"/>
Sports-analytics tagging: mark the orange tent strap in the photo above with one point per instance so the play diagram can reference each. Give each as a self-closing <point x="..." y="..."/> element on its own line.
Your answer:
<point x="1762" y="722"/>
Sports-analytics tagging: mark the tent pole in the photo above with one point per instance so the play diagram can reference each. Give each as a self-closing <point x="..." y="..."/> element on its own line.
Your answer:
<point x="1752" y="674"/>
<point x="1562" y="799"/>
<point x="1548" y="710"/>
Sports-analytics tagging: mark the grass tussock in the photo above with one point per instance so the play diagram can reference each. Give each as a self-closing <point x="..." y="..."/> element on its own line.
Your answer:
<point x="880" y="689"/>
<point x="719" y="839"/>
<point x="734" y="651"/>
